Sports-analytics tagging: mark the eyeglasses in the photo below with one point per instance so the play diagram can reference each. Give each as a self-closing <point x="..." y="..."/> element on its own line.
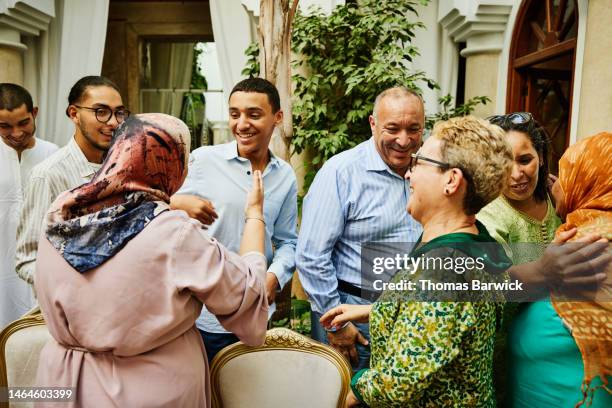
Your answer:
<point x="515" y="118"/>
<point x="103" y="114"/>
<point x="416" y="157"/>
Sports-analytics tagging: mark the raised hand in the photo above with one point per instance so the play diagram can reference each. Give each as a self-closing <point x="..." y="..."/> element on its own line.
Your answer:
<point x="255" y="198"/>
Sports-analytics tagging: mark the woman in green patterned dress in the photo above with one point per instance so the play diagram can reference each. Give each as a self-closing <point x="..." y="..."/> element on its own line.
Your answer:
<point x="438" y="353"/>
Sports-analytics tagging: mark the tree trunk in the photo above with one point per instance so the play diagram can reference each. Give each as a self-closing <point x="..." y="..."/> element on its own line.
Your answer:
<point x="275" y="20"/>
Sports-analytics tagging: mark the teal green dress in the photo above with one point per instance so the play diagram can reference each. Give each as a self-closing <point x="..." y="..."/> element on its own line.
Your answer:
<point x="544" y="365"/>
<point x="546" y="369"/>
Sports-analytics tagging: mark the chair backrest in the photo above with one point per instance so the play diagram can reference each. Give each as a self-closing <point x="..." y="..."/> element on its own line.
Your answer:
<point x="20" y="345"/>
<point x="289" y="370"/>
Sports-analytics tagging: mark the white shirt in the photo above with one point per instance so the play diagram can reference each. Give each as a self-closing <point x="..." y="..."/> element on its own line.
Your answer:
<point x="64" y="170"/>
<point x="16" y="298"/>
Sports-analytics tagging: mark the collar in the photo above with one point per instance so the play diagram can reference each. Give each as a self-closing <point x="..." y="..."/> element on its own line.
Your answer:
<point x="230" y="152"/>
<point x="481" y="245"/>
<point x="85" y="168"/>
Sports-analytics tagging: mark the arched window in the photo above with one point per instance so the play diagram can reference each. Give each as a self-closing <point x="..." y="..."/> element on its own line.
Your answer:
<point x="541" y="71"/>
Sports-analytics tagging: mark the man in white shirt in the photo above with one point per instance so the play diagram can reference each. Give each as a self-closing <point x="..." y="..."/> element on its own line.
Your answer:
<point x="96" y="109"/>
<point x="20" y="151"/>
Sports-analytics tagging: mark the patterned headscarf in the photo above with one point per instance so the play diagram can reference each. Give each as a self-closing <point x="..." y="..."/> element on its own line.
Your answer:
<point x="146" y="164"/>
<point x="585" y="176"/>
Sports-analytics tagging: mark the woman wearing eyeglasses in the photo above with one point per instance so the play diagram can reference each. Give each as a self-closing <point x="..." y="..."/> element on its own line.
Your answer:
<point x="439" y="353"/>
<point x="537" y="363"/>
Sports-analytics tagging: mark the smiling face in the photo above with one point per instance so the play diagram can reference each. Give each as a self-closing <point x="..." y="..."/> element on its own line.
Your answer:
<point x="397" y="128"/>
<point x="92" y="133"/>
<point x="17" y="127"/>
<point x="524" y="177"/>
<point x="427" y="181"/>
<point x="252" y="122"/>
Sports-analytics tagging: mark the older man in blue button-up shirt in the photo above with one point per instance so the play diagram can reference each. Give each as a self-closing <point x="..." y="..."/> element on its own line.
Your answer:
<point x="220" y="176"/>
<point x="358" y="196"/>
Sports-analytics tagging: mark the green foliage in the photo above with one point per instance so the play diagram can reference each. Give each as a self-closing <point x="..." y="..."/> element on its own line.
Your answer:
<point x="198" y="81"/>
<point x="252" y="66"/>
<point x="449" y="110"/>
<point x="345" y="59"/>
<point x="194" y="101"/>
<point x="349" y="57"/>
<point x="299" y="319"/>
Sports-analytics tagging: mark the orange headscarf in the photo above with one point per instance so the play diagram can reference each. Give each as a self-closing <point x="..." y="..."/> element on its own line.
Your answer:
<point x="585" y="176"/>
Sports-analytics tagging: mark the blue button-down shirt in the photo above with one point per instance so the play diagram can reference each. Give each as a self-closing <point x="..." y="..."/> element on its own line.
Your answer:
<point x="355" y="198"/>
<point x="218" y="174"/>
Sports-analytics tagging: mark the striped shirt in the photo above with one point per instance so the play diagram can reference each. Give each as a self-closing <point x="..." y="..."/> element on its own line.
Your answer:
<point x="64" y="170"/>
<point x="355" y="198"/>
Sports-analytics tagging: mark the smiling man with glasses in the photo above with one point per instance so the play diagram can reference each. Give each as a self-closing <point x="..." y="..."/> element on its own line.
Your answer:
<point x="96" y="109"/>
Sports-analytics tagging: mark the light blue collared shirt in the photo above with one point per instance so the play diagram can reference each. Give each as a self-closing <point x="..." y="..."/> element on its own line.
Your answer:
<point x="355" y="198"/>
<point x="218" y="174"/>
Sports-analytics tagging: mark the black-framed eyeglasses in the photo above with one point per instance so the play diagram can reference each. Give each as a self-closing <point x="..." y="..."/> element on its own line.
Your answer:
<point x="104" y="114"/>
<point x="515" y="118"/>
<point x="416" y="157"/>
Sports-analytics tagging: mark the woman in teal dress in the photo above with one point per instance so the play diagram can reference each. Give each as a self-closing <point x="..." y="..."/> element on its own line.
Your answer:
<point x="543" y="366"/>
<point x="439" y="353"/>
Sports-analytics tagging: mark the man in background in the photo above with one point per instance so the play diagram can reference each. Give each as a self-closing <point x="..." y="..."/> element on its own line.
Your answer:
<point x="20" y="151"/>
<point x="96" y="109"/>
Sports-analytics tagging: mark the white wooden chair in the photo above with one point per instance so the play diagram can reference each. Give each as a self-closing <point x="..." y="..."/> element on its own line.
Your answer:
<point x="289" y="370"/>
<point x="20" y="345"/>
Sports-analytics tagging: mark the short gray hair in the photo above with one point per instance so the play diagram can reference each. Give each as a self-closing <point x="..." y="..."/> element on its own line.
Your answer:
<point x="396" y="92"/>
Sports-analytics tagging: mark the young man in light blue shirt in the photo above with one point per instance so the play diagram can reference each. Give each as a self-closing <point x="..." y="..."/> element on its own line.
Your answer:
<point x="216" y="187"/>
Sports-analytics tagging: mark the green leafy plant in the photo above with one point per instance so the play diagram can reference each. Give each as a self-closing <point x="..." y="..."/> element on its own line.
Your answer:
<point x="299" y="319"/>
<point x="194" y="102"/>
<point x="449" y="110"/>
<point x="344" y="60"/>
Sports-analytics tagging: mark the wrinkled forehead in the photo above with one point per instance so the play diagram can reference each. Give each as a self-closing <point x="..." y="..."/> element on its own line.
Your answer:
<point x="401" y="108"/>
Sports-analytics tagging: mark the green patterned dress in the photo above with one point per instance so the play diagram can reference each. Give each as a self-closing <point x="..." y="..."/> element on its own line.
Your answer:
<point x="523" y="236"/>
<point x="434" y="353"/>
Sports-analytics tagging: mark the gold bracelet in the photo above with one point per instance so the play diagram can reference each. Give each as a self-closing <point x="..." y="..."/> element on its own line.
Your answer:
<point x="255" y="218"/>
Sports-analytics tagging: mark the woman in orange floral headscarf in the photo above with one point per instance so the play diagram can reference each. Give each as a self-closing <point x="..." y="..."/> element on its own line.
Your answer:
<point x="583" y="194"/>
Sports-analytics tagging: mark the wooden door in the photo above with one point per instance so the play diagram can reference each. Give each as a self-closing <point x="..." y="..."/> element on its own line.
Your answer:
<point x="541" y="71"/>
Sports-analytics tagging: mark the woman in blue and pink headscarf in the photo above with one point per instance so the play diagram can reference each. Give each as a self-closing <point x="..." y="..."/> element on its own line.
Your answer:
<point x="121" y="278"/>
